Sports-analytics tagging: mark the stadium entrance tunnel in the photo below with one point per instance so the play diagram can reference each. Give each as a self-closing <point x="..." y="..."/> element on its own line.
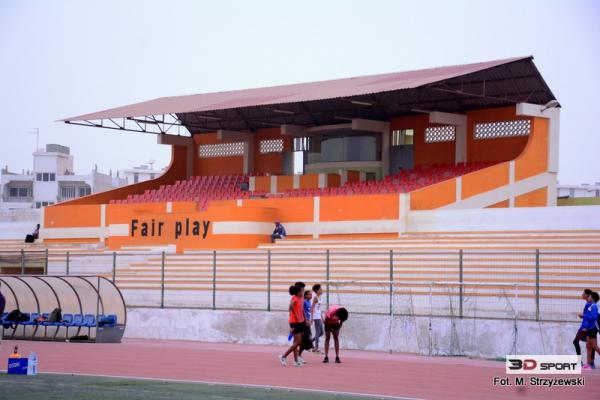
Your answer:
<point x="91" y="308"/>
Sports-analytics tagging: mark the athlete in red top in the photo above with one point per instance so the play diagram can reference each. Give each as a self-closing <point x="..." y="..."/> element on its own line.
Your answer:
<point x="334" y="318"/>
<point x="296" y="320"/>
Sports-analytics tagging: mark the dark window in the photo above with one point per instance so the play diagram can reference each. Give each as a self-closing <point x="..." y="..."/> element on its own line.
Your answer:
<point x="23" y="192"/>
<point x="45" y="177"/>
<point x="84" y="191"/>
<point x="14" y="192"/>
<point x="38" y="204"/>
<point x="401" y="137"/>
<point x="136" y="177"/>
<point x="38" y="177"/>
<point x="52" y="177"/>
<point x="347" y="148"/>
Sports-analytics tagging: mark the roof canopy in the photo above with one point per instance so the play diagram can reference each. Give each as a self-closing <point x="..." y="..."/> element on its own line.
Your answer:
<point x="378" y="97"/>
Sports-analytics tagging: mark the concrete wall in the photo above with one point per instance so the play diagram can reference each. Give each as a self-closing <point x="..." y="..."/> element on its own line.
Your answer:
<point x="504" y="219"/>
<point x="446" y="336"/>
<point x="15" y="224"/>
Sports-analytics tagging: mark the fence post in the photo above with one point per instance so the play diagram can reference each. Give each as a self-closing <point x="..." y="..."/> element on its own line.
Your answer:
<point x="268" y="280"/>
<point x="461" y="285"/>
<point x="114" y="269"/>
<point x="327" y="275"/>
<point x="537" y="284"/>
<point x="162" y="279"/>
<point x="68" y="261"/>
<point x="214" y="282"/>
<point x="22" y="262"/>
<point x="391" y="282"/>
<point x="46" y="263"/>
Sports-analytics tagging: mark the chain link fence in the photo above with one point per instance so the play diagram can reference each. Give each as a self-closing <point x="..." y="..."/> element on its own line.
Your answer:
<point x="521" y="285"/>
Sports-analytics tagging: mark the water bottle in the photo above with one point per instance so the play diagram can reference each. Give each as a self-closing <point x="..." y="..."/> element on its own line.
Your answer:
<point x="32" y="362"/>
<point x="290" y="336"/>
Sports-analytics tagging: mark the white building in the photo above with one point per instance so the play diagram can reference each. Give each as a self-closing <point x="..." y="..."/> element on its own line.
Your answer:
<point x="139" y="174"/>
<point x="51" y="181"/>
<point x="583" y="190"/>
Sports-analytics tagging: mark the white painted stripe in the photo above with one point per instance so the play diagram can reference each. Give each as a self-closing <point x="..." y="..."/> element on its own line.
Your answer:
<point x="74" y="233"/>
<point x="403" y="210"/>
<point x="343" y="227"/>
<point x="118" y="230"/>
<point x="239" y="202"/>
<point x="273" y="184"/>
<point x="305" y="228"/>
<point x="169" y="207"/>
<point x="511" y="172"/>
<point x="322" y="180"/>
<point x="252" y="184"/>
<point x="505" y="192"/>
<point x="458" y="189"/>
<point x="296" y="181"/>
<point x="242" y="228"/>
<point x="103" y="220"/>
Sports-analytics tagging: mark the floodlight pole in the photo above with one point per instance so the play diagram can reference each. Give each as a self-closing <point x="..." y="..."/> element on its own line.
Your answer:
<point x="36" y="132"/>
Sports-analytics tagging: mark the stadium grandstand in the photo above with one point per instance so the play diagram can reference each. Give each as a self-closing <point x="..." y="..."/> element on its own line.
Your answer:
<point x="473" y="136"/>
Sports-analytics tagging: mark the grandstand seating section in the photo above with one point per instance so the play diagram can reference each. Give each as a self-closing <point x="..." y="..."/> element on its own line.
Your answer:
<point x="204" y="189"/>
<point x="201" y="189"/>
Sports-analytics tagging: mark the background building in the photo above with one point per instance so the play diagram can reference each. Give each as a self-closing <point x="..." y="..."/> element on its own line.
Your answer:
<point x="51" y="181"/>
<point x="139" y="174"/>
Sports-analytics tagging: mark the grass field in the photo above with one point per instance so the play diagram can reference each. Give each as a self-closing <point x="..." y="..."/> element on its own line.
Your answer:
<point x="74" y="387"/>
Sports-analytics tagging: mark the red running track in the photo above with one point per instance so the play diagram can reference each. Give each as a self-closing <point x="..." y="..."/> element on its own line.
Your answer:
<point x="362" y="372"/>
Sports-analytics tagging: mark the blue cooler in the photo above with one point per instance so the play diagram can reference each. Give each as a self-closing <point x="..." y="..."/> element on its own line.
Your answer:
<point x="17" y="366"/>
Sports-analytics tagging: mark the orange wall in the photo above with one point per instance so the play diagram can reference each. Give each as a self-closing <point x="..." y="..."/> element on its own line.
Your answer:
<point x="186" y="238"/>
<point x="72" y="216"/>
<point x="484" y="180"/>
<point x="285" y="182"/>
<point x="537" y="198"/>
<point x="177" y="170"/>
<point x="296" y="209"/>
<point x="502" y="204"/>
<point x="309" y="181"/>
<point x="215" y="165"/>
<point x="434" y="196"/>
<point x="534" y="159"/>
<point x="348" y="208"/>
<point x="262" y="184"/>
<point x="502" y="149"/>
<point x="333" y="180"/>
<point x="270" y="163"/>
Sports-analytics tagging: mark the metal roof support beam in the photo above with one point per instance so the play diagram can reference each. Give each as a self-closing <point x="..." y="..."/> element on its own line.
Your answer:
<point x="293" y="130"/>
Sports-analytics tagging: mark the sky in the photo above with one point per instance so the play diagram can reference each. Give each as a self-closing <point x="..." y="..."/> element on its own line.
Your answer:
<point x="65" y="58"/>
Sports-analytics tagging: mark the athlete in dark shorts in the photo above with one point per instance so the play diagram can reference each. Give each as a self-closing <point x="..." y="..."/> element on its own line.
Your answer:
<point x="334" y="318"/>
<point x="590" y="326"/>
<point x="582" y="334"/>
<point x="296" y="321"/>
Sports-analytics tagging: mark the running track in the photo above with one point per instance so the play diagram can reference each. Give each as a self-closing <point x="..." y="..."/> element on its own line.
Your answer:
<point x="362" y="372"/>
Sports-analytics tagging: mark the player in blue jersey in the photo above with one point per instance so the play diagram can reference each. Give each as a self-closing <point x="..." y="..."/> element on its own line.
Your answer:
<point x="590" y="325"/>
<point x="581" y="334"/>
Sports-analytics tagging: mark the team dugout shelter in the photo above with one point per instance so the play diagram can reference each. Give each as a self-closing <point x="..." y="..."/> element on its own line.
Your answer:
<point x="373" y="149"/>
